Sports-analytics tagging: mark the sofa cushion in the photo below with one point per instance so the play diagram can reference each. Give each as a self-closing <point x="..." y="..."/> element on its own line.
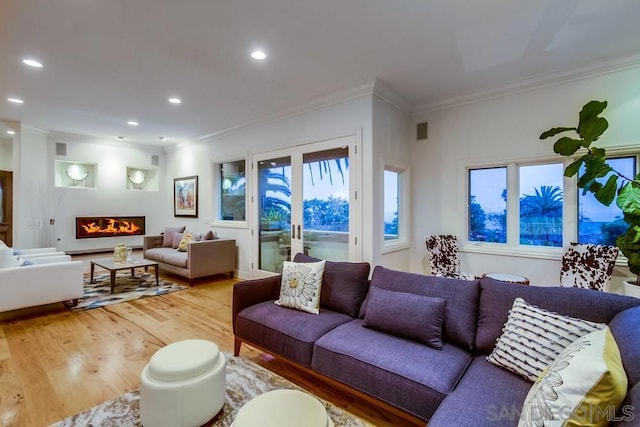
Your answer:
<point x="344" y="284"/>
<point x="625" y="327"/>
<point x="580" y="386"/>
<point x="300" y="286"/>
<point x="402" y="372"/>
<point x="461" y="296"/>
<point x="625" y="415"/>
<point x="285" y="331"/>
<point x="169" y="232"/>
<point x="179" y="259"/>
<point x="486" y="394"/>
<point x="416" y="317"/>
<point x="177" y="238"/>
<point x="532" y="338"/>
<point x="496" y="299"/>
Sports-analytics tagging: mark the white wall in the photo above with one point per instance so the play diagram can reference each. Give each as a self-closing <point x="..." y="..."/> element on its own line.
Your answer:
<point x="500" y="129"/>
<point x="350" y="117"/>
<point x="30" y="167"/>
<point x="110" y="197"/>
<point x="391" y="146"/>
<point x="6" y="154"/>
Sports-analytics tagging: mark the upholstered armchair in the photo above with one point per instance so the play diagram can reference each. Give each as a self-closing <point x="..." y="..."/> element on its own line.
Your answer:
<point x="443" y="257"/>
<point x="588" y="266"/>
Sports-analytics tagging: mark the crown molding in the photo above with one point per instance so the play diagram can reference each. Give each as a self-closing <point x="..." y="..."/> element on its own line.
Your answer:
<point x="32" y="129"/>
<point x="617" y="64"/>
<point x="382" y="91"/>
<point x="315" y="104"/>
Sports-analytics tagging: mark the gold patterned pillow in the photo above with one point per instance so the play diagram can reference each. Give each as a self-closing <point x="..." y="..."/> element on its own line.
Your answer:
<point x="187" y="238"/>
<point x="300" y="286"/>
<point x="584" y="385"/>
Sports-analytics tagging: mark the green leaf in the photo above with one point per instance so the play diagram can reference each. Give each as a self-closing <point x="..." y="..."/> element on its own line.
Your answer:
<point x="573" y="168"/>
<point x="591" y="109"/>
<point x="629" y="199"/>
<point x="594" y="168"/>
<point x="598" y="153"/>
<point x="591" y="130"/>
<point x="554" y="131"/>
<point x="607" y="193"/>
<point x="567" y="146"/>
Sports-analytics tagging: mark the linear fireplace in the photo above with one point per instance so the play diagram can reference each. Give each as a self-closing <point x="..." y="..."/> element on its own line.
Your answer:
<point x="109" y="226"/>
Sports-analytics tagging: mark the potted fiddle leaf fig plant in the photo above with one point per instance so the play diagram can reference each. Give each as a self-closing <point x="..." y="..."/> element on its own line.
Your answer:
<point x="595" y="175"/>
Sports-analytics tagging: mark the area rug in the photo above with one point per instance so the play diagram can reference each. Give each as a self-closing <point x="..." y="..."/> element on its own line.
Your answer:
<point x="127" y="288"/>
<point x="245" y="380"/>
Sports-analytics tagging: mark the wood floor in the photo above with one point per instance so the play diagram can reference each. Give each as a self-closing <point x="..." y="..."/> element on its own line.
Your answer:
<point x="58" y="363"/>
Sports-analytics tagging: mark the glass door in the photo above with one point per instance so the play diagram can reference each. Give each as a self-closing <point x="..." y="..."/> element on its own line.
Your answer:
<point x="305" y="202"/>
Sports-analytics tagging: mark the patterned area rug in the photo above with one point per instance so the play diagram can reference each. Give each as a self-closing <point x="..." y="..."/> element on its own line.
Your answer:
<point x="127" y="288"/>
<point x="245" y="380"/>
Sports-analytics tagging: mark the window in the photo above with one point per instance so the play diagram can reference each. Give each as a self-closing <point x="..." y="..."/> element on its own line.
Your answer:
<point x="395" y="208"/>
<point x="533" y="206"/>
<point x="391" y="204"/>
<point x="487" y="205"/>
<point x="232" y="187"/>
<point x="601" y="224"/>
<point x="540" y="197"/>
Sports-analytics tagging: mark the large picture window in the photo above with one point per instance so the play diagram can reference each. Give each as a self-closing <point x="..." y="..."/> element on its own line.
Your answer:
<point x="532" y="205"/>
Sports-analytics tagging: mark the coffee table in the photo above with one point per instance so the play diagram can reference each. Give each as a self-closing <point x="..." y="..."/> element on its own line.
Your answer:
<point x="113" y="267"/>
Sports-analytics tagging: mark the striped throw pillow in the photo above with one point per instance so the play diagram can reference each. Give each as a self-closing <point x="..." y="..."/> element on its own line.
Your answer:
<point x="532" y="338"/>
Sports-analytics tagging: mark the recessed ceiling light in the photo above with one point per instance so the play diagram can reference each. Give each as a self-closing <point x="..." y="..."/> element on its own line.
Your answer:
<point x="120" y="137"/>
<point x="15" y="100"/>
<point x="175" y="100"/>
<point x="11" y="132"/>
<point x="32" y="63"/>
<point x="258" y="54"/>
<point x="132" y="123"/>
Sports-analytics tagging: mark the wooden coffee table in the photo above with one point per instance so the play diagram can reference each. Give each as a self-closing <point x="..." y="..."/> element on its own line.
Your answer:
<point x="108" y="264"/>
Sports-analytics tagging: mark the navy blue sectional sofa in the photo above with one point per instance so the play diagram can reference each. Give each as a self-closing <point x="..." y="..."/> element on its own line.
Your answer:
<point x="439" y="375"/>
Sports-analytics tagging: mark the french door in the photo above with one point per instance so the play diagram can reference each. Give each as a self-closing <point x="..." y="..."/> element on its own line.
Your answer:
<point x="305" y="201"/>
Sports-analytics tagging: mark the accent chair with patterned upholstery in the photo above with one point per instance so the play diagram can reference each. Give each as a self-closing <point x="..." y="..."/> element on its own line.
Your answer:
<point x="588" y="266"/>
<point x="443" y="257"/>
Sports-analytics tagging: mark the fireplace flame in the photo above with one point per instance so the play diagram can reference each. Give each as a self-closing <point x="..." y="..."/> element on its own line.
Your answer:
<point x="127" y="227"/>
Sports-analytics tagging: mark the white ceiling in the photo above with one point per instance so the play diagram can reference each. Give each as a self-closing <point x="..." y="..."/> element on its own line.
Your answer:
<point x="106" y="62"/>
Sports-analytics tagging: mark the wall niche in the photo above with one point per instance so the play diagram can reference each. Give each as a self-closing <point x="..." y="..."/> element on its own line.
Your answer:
<point x="76" y="174"/>
<point x="142" y="179"/>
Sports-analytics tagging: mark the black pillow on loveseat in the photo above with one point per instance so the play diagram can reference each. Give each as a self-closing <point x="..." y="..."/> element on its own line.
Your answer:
<point x="344" y="284"/>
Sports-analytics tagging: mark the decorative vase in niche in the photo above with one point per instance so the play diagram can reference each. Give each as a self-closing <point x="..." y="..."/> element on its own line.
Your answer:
<point x="120" y="253"/>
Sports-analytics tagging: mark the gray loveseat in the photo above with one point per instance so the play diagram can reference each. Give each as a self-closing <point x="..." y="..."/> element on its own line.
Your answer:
<point x="453" y="385"/>
<point x="202" y="258"/>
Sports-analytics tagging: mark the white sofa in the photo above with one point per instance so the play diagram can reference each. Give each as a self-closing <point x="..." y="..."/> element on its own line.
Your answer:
<point x="51" y="279"/>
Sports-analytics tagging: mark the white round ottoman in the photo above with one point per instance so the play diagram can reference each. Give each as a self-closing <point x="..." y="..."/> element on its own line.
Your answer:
<point x="283" y="408"/>
<point x="183" y="385"/>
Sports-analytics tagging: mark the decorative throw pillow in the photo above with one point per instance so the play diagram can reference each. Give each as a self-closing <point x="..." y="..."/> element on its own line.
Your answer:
<point x="532" y="338"/>
<point x="186" y="239"/>
<point x="301" y="285"/>
<point x="415" y="317"/>
<point x="169" y="232"/>
<point x="177" y="238"/>
<point x="23" y="262"/>
<point x="584" y="385"/>
<point x="209" y="235"/>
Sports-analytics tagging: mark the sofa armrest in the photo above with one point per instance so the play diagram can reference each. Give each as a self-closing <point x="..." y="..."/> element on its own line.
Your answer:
<point x="208" y="257"/>
<point x="250" y="292"/>
<point x="150" y="242"/>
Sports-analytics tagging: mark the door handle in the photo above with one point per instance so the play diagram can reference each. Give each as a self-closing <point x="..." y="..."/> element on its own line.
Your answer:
<point x="293" y="231"/>
<point x="299" y="234"/>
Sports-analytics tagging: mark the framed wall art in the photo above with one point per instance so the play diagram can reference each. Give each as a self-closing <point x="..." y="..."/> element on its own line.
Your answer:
<point x="185" y="196"/>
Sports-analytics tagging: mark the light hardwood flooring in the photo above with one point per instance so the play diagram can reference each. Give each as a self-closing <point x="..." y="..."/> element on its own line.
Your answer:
<point x="60" y="362"/>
